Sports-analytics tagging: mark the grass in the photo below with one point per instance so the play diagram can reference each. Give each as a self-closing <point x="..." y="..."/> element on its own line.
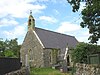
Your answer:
<point x="46" y="71"/>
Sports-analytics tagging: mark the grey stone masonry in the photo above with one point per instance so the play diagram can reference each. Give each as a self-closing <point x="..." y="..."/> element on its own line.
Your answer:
<point x="32" y="47"/>
<point x="86" y="69"/>
<point x="47" y="56"/>
<point x="22" y="71"/>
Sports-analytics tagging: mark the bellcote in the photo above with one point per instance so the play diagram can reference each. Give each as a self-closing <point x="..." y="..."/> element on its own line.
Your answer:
<point x="31" y="22"/>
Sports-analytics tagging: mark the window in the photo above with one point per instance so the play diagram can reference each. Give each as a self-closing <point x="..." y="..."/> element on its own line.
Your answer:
<point x="68" y="60"/>
<point x="30" y="55"/>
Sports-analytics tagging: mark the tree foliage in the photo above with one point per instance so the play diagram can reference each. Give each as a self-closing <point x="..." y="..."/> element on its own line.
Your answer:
<point x="9" y="48"/>
<point x="90" y="17"/>
<point x="2" y="48"/>
<point x="82" y="50"/>
<point x="9" y="53"/>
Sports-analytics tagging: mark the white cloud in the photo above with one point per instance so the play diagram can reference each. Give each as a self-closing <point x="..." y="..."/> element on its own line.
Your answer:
<point x="81" y="34"/>
<point x="67" y="27"/>
<point x="42" y="0"/>
<point x="11" y="11"/>
<point x="82" y="6"/>
<point x="16" y="32"/>
<point x="19" y="8"/>
<point x="58" y="1"/>
<point x="8" y="22"/>
<point x="48" y="19"/>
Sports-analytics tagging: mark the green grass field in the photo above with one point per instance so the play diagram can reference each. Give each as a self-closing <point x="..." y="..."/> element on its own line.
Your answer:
<point x="46" y="71"/>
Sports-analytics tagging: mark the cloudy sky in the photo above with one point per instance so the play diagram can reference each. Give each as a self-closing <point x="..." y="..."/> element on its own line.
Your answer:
<point x="54" y="15"/>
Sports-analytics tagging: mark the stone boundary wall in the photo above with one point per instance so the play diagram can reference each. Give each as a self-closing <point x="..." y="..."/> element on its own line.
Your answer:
<point x="87" y="69"/>
<point x="22" y="71"/>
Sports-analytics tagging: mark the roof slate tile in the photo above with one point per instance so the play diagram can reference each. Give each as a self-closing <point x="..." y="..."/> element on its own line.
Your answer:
<point x="52" y="39"/>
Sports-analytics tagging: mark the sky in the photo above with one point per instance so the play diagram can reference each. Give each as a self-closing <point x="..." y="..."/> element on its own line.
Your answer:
<point x="54" y="15"/>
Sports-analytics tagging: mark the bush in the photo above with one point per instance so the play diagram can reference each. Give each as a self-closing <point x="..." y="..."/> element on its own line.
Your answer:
<point x="82" y="50"/>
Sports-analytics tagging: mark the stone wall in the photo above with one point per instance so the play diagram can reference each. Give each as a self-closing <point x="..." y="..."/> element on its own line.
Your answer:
<point x="50" y="57"/>
<point x="22" y="71"/>
<point x="32" y="47"/>
<point x="47" y="57"/>
<point x="86" y="69"/>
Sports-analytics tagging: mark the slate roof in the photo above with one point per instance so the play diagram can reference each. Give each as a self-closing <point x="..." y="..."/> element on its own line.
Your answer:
<point x="52" y="39"/>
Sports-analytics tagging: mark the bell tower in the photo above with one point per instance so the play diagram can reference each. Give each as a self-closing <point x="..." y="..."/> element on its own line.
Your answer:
<point x="31" y="22"/>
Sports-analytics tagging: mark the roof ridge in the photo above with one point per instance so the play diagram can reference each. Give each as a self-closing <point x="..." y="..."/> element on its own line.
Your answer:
<point x="55" y="32"/>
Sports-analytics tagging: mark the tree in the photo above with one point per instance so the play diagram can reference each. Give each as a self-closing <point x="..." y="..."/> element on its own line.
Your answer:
<point x="90" y="17"/>
<point x="82" y="50"/>
<point x="9" y="53"/>
<point x="2" y="48"/>
<point x="13" y="45"/>
<point x="9" y="48"/>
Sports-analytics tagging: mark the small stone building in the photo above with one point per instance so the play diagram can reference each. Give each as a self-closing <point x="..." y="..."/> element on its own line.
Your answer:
<point x="45" y="48"/>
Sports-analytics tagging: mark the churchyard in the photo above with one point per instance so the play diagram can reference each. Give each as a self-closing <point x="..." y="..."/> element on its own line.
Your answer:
<point x="46" y="71"/>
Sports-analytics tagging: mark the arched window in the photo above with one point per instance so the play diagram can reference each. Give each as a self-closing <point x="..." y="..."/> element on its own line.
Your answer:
<point x="30" y="55"/>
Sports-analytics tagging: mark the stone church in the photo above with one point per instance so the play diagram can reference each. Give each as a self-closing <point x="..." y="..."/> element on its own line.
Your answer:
<point x="44" y="47"/>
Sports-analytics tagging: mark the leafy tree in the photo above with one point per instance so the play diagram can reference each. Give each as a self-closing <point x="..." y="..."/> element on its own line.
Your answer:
<point x="82" y="50"/>
<point x="13" y="45"/>
<point x="9" y="53"/>
<point x="1" y="48"/>
<point x="9" y="48"/>
<point x="90" y="17"/>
